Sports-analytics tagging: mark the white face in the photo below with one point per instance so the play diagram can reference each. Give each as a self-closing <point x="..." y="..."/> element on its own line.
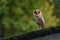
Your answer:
<point x="36" y="12"/>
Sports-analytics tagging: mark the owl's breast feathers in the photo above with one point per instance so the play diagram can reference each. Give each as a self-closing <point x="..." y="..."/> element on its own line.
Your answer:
<point x="40" y="20"/>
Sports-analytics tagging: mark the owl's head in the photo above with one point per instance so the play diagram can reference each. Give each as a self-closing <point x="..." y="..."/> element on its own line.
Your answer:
<point x="37" y="12"/>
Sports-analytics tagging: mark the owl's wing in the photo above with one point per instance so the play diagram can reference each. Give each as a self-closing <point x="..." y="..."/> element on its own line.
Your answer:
<point x="41" y="19"/>
<point x="41" y="22"/>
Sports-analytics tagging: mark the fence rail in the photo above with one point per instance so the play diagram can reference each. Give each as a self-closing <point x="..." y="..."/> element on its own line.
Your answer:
<point x="35" y="34"/>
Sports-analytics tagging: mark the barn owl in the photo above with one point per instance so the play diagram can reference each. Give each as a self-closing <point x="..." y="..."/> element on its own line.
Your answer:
<point x="39" y="18"/>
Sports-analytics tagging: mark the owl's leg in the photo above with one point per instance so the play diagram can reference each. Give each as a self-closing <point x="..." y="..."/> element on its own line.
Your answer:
<point x="41" y="26"/>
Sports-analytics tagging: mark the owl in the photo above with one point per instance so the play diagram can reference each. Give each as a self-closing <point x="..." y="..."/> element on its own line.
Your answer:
<point x="39" y="18"/>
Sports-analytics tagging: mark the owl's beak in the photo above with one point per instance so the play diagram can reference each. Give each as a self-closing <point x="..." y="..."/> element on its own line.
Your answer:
<point x="37" y="15"/>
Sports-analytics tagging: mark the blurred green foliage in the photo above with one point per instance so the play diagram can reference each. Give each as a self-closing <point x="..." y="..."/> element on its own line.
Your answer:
<point x="17" y="15"/>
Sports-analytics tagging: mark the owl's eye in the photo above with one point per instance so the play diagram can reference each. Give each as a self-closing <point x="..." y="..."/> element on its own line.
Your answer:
<point x="35" y="12"/>
<point x="38" y="11"/>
